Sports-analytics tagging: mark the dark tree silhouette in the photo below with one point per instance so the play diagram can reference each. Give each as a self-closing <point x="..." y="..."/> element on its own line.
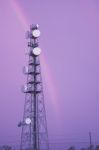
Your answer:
<point x="72" y="148"/>
<point x="91" y="147"/>
<point x="97" y="147"/>
<point x="83" y="149"/>
<point x="6" y="147"/>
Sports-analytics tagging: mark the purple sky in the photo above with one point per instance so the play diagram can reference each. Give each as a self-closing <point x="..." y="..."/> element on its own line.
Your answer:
<point x="70" y="47"/>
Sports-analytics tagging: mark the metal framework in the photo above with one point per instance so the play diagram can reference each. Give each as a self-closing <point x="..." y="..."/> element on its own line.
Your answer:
<point x="34" y="134"/>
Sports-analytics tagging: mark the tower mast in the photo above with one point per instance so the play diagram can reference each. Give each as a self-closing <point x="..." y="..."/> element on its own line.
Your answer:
<point x="34" y="134"/>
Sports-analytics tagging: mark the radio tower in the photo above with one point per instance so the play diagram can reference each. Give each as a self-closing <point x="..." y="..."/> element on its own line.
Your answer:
<point x="34" y="134"/>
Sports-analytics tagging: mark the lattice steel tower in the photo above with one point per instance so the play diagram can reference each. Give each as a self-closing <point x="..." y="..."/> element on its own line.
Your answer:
<point x="34" y="134"/>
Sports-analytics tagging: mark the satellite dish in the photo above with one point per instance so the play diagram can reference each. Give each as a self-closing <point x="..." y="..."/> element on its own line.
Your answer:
<point x="36" y="51"/>
<point x="27" y="121"/>
<point x="36" y="33"/>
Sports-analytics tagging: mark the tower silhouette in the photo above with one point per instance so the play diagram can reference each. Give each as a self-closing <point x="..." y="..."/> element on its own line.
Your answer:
<point x="34" y="134"/>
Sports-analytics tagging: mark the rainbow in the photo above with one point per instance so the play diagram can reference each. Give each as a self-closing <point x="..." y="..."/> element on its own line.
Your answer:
<point x="47" y="72"/>
<point x="18" y="11"/>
